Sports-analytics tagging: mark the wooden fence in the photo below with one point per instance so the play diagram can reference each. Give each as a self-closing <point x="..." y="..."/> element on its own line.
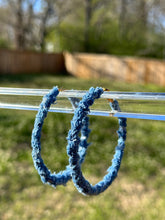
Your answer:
<point x="134" y="70"/>
<point x="12" y="62"/>
<point x="83" y="65"/>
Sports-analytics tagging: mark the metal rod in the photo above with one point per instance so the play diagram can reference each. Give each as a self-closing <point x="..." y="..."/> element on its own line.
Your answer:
<point x="92" y="112"/>
<point x="79" y="94"/>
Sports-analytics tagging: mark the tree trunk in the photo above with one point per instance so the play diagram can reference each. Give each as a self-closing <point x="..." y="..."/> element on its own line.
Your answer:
<point x="19" y="30"/>
<point x="88" y="17"/>
<point x="43" y="30"/>
<point x="143" y="13"/>
<point x="122" y="17"/>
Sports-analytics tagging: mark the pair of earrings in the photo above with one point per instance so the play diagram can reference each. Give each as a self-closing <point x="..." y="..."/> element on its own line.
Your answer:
<point x="77" y="146"/>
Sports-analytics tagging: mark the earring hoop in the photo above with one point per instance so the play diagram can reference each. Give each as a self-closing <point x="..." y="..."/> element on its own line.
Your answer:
<point x="63" y="177"/>
<point x="82" y="185"/>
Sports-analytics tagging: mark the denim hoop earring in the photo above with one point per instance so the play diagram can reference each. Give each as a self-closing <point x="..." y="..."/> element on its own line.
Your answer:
<point x="63" y="177"/>
<point x="82" y="185"/>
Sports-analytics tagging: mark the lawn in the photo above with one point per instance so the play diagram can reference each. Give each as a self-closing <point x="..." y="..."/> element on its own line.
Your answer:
<point x="137" y="193"/>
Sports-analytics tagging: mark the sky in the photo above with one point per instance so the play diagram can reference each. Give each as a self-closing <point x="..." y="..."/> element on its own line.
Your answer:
<point x="36" y="8"/>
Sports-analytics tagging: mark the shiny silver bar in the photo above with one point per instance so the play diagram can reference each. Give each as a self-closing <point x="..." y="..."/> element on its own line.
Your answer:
<point x="81" y="93"/>
<point x="132" y="96"/>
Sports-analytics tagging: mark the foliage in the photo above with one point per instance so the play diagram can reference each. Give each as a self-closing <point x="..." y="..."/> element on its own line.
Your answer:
<point x="27" y="26"/>
<point x="4" y="43"/>
<point x="109" y="31"/>
<point x="137" y="193"/>
<point x="134" y="28"/>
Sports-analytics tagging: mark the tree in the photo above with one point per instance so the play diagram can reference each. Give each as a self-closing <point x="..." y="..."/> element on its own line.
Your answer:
<point x="123" y="17"/>
<point x="28" y="25"/>
<point x="110" y="26"/>
<point x="84" y="17"/>
<point x="125" y="27"/>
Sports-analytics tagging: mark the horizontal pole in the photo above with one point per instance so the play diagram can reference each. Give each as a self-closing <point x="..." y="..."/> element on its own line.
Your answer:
<point x="143" y="96"/>
<point x="81" y="93"/>
<point x="92" y="112"/>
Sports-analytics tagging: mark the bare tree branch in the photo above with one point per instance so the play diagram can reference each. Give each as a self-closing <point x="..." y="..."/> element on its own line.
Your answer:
<point x="99" y="4"/>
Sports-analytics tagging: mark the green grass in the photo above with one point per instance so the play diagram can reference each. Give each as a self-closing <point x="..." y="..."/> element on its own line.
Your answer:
<point x="137" y="193"/>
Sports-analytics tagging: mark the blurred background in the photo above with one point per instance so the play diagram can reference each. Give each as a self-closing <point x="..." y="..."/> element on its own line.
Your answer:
<point x="120" y="27"/>
<point x="76" y="44"/>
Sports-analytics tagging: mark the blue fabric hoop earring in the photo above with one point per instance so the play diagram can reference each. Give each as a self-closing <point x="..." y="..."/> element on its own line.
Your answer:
<point x="82" y="110"/>
<point x="63" y="177"/>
